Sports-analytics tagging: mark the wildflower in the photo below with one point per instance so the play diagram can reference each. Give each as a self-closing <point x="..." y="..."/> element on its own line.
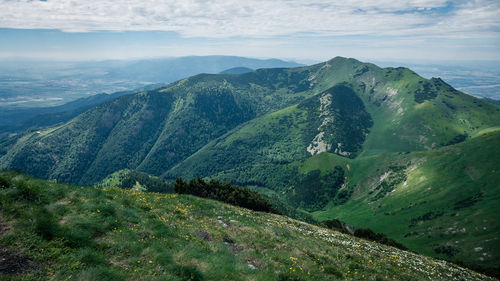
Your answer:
<point x="98" y="210"/>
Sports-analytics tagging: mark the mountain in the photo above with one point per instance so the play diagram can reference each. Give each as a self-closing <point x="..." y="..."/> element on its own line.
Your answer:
<point x="36" y="83"/>
<point x="53" y="231"/>
<point x="237" y="70"/>
<point x="441" y="202"/>
<point x="494" y="101"/>
<point x="18" y="119"/>
<point x="335" y="139"/>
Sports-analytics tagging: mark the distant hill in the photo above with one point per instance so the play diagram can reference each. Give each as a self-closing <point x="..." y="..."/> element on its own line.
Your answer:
<point x="237" y="70"/>
<point x="130" y="179"/>
<point x="19" y="119"/>
<point x="172" y="69"/>
<point x="42" y="82"/>
<point x="55" y="231"/>
<point x="494" y="101"/>
<point x="339" y="139"/>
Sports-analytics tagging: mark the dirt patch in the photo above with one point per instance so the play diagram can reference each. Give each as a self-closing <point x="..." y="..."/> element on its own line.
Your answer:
<point x="235" y="249"/>
<point x="205" y="236"/>
<point x="4" y="228"/>
<point x="12" y="263"/>
<point x="472" y="173"/>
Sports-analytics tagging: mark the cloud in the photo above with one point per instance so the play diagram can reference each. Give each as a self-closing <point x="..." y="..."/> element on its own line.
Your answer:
<point x="261" y="18"/>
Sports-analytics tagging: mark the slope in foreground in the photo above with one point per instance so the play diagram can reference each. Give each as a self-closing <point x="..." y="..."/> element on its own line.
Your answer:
<point x="62" y="232"/>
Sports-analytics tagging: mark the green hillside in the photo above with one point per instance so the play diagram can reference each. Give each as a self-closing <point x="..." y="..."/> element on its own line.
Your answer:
<point x="153" y="131"/>
<point x="442" y="202"/>
<point x="383" y="148"/>
<point x="59" y="232"/>
<point x="130" y="179"/>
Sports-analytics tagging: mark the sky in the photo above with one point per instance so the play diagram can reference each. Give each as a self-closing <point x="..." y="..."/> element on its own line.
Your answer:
<point x="302" y="30"/>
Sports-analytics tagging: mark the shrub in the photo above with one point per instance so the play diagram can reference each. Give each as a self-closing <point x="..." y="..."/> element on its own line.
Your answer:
<point x="490" y="271"/>
<point x="25" y="191"/>
<point x="91" y="257"/>
<point x="77" y="238"/>
<point x="4" y="183"/>
<point x="46" y="224"/>
<point x="188" y="273"/>
<point x="338" y="225"/>
<point x="225" y="192"/>
<point x="369" y="234"/>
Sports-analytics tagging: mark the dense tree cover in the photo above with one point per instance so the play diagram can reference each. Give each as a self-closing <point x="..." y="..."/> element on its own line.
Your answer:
<point x="159" y="131"/>
<point x="138" y="180"/>
<point x="225" y="192"/>
<point x="338" y="225"/>
<point x="313" y="191"/>
<point x="365" y="233"/>
<point x="369" y="234"/>
<point x="396" y="175"/>
<point x="341" y="115"/>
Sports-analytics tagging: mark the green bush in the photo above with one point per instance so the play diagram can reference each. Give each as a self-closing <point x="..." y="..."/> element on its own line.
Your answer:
<point x="225" y="192"/>
<point x="188" y="273"/>
<point x="46" y="224"/>
<point x="25" y="191"/>
<point x="77" y="238"/>
<point x="369" y="234"/>
<point x="4" y="183"/>
<point x="90" y="257"/>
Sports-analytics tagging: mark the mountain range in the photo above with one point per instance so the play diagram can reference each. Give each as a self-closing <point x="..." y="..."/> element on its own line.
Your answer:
<point x="379" y="147"/>
<point x="29" y="89"/>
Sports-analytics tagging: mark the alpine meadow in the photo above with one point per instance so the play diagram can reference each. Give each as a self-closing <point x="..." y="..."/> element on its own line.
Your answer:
<point x="284" y="140"/>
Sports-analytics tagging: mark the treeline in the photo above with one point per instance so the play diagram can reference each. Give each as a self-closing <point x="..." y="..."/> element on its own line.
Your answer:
<point x="365" y="233"/>
<point x="313" y="191"/>
<point x="150" y="183"/>
<point x="225" y="192"/>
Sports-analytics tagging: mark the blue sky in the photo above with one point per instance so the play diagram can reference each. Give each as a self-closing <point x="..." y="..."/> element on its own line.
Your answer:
<point x="411" y="30"/>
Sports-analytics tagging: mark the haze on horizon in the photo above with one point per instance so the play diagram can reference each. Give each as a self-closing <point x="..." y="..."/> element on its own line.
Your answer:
<point x="411" y="30"/>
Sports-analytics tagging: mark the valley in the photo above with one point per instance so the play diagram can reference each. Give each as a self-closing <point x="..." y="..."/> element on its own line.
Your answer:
<point x="384" y="148"/>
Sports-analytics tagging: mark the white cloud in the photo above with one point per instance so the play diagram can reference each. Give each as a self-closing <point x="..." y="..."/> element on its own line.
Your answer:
<point x="260" y="18"/>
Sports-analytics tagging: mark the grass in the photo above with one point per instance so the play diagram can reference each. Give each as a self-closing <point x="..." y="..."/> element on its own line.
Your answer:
<point x="438" y="204"/>
<point x="73" y="233"/>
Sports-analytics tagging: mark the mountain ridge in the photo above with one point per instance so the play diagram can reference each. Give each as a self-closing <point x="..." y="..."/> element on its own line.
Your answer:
<point x="265" y="128"/>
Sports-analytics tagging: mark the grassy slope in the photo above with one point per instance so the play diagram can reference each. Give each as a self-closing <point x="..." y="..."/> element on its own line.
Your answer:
<point x="400" y="123"/>
<point x="63" y="232"/>
<point x="403" y="124"/>
<point x="153" y="131"/>
<point x="188" y="125"/>
<point x="137" y="180"/>
<point x="444" y="183"/>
